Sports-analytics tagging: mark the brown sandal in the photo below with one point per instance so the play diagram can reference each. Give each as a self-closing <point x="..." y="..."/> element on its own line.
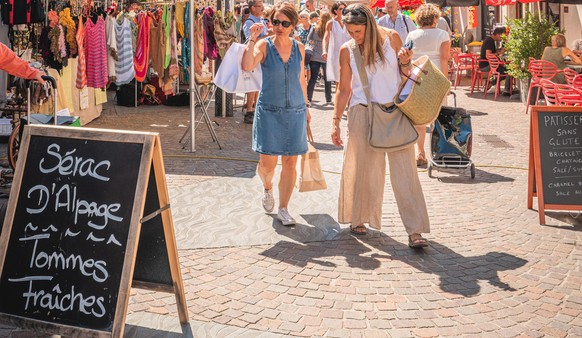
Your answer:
<point x="359" y="230"/>
<point x="418" y="243"/>
<point x="421" y="160"/>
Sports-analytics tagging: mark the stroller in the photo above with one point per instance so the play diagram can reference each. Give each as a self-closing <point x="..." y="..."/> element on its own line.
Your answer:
<point x="451" y="140"/>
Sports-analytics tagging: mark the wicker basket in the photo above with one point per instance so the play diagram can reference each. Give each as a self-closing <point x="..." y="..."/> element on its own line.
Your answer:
<point x="424" y="101"/>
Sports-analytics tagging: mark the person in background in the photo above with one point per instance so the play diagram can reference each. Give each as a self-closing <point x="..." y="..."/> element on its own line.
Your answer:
<point x="334" y="38"/>
<point x="281" y="107"/>
<point x="363" y="175"/>
<point x="393" y="19"/>
<point x="436" y="44"/>
<point x="557" y="53"/>
<point x="256" y="16"/>
<point x="13" y="65"/>
<point x="238" y="17"/>
<point x="380" y="13"/>
<point x="309" y="6"/>
<point x="301" y="32"/>
<point x="245" y="13"/>
<point x="489" y="47"/>
<point x="313" y="18"/>
<point x="317" y="62"/>
<point x="577" y="46"/>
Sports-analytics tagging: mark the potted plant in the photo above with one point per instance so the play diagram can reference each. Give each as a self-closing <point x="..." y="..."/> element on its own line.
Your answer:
<point x="528" y="37"/>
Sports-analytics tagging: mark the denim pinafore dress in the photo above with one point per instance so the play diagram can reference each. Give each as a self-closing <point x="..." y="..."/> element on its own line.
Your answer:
<point x="280" y="123"/>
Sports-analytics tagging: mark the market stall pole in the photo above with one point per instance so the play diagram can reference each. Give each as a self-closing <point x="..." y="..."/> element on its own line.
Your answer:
<point x="192" y="84"/>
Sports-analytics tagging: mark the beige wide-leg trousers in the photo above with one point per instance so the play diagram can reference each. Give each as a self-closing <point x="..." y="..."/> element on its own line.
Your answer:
<point x="364" y="177"/>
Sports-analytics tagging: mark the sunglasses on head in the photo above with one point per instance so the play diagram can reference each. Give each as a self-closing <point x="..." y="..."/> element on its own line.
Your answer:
<point x="283" y="23"/>
<point x="353" y="11"/>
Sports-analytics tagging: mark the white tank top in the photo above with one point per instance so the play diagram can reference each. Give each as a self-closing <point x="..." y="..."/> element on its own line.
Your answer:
<point x="383" y="81"/>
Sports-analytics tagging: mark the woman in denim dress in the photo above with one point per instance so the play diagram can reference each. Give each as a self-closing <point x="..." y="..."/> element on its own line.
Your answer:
<point x="281" y="115"/>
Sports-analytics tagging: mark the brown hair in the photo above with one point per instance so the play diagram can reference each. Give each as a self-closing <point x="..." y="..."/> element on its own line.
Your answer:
<point x="320" y="27"/>
<point x="426" y="15"/>
<point x="559" y="40"/>
<point x="361" y="15"/>
<point x="286" y="9"/>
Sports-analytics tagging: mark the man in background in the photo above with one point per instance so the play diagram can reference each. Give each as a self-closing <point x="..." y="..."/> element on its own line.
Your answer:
<point x="577" y="46"/>
<point x="395" y="20"/>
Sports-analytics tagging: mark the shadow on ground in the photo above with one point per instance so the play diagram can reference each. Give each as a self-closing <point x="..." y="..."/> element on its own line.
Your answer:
<point x="457" y="274"/>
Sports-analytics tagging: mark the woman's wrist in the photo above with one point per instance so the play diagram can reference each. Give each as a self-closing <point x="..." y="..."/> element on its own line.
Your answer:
<point x="405" y="64"/>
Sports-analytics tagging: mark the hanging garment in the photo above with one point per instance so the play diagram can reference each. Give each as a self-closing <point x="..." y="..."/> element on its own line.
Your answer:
<point x="66" y="21"/>
<point x="124" y="64"/>
<point x="81" y="67"/>
<point x="158" y="49"/>
<point x="198" y="45"/>
<point x="224" y="32"/>
<point x="167" y="21"/>
<point x="186" y="45"/>
<point x="142" y="47"/>
<point x="179" y="14"/>
<point x="111" y="42"/>
<point x="96" y="53"/>
<point x="210" y="50"/>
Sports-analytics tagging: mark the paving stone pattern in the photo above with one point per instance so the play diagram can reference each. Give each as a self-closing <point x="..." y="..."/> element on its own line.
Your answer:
<point x="491" y="269"/>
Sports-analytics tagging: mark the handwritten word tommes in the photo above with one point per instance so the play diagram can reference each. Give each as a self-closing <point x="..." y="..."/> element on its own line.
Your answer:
<point x="95" y="269"/>
<point x="69" y="165"/>
<point x="65" y="197"/>
<point x="56" y="300"/>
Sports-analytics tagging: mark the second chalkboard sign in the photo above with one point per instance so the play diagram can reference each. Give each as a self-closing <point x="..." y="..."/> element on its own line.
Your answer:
<point x="74" y="220"/>
<point x="556" y="140"/>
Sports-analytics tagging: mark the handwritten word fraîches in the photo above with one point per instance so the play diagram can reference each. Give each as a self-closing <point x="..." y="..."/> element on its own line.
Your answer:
<point x="65" y="197"/>
<point x="73" y="166"/>
<point x="57" y="300"/>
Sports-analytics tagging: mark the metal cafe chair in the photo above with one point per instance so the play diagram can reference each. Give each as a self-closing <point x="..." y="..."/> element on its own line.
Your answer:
<point x="494" y="64"/>
<point x="568" y="95"/>
<point x="477" y="77"/>
<point x="549" y="90"/>
<point x="539" y="69"/>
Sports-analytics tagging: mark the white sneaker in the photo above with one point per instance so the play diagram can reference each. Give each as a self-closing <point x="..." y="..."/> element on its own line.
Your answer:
<point x="268" y="200"/>
<point x="284" y="217"/>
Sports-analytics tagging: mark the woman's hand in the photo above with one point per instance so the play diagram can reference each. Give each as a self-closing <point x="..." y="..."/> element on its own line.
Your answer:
<point x="39" y="76"/>
<point x="336" y="135"/>
<point x="256" y="30"/>
<point x="324" y="56"/>
<point x="404" y="56"/>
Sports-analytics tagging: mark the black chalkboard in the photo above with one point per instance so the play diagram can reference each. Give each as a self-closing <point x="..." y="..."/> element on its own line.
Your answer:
<point x="69" y="231"/>
<point x="73" y="228"/>
<point x="152" y="264"/>
<point x="560" y="156"/>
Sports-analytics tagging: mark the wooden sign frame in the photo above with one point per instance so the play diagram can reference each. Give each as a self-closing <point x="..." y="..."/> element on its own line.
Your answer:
<point x="535" y="177"/>
<point x="151" y="162"/>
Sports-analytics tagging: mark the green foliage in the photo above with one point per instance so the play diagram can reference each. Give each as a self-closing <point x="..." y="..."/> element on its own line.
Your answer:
<point x="528" y="37"/>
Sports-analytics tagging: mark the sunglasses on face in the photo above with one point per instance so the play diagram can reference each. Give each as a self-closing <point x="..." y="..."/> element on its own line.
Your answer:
<point x="283" y="23"/>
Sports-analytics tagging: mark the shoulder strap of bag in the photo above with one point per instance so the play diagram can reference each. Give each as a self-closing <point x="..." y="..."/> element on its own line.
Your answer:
<point x="405" y="23"/>
<point x="362" y="71"/>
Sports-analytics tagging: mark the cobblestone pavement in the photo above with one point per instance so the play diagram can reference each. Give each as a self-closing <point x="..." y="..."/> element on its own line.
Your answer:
<point x="491" y="270"/>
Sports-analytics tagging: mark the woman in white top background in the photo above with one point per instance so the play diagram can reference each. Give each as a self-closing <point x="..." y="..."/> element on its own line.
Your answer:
<point x="434" y="43"/>
<point x="335" y="36"/>
<point x="364" y="169"/>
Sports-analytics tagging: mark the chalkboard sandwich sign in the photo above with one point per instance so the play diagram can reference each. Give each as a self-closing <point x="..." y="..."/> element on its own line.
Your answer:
<point x="83" y="202"/>
<point x="555" y="166"/>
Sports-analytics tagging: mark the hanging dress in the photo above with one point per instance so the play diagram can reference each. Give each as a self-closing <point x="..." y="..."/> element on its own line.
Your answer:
<point x="111" y="41"/>
<point x="167" y="21"/>
<point x="142" y="47"/>
<point x="186" y="45"/>
<point x="158" y="49"/>
<point x="124" y="65"/>
<point x="337" y="37"/>
<point x="96" y="53"/>
<point x="82" y="66"/>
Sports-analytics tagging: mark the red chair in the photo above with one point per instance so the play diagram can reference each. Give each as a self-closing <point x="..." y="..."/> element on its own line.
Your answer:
<point x="477" y="78"/>
<point x="462" y="63"/>
<point x="539" y="69"/>
<point x="568" y="95"/>
<point x="569" y="74"/>
<point x="549" y="90"/>
<point x="494" y="64"/>
<point x="577" y="81"/>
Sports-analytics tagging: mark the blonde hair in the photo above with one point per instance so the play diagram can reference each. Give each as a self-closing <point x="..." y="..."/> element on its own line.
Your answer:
<point x="361" y="15"/>
<point x="426" y="15"/>
<point x="304" y="14"/>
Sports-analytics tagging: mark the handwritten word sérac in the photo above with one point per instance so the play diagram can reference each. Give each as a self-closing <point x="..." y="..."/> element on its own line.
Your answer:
<point x="69" y="165"/>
